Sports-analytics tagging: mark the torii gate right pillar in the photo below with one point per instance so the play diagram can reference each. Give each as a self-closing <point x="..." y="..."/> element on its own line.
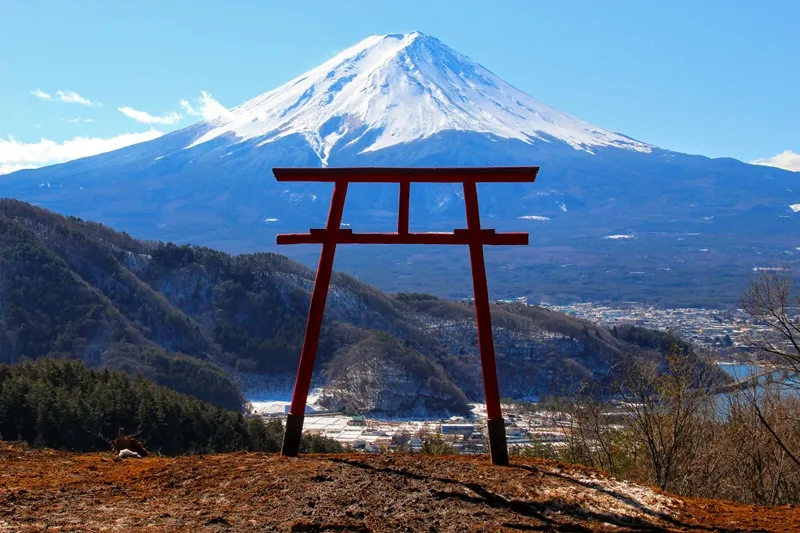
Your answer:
<point x="498" y="447"/>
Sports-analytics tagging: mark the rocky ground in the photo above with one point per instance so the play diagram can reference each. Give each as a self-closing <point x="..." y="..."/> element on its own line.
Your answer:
<point x="59" y="491"/>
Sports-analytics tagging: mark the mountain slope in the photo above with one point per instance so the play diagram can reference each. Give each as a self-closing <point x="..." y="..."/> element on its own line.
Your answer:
<point x="181" y="315"/>
<point x="625" y="218"/>
<point x="64" y="292"/>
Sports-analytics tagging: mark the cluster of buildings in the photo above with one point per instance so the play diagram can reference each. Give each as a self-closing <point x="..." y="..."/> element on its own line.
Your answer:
<point x="464" y="435"/>
<point x="723" y="329"/>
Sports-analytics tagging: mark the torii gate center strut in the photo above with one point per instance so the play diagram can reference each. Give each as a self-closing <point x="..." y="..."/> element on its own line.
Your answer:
<point x="473" y="236"/>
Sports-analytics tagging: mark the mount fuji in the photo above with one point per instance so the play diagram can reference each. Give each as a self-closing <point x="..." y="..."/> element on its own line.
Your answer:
<point x="611" y="217"/>
<point x="394" y="89"/>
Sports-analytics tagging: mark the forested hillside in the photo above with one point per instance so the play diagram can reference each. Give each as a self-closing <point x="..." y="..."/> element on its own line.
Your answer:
<point x="193" y="318"/>
<point x="63" y="404"/>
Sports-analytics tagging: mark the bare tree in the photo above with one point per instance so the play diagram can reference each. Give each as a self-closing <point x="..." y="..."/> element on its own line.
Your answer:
<point x="591" y="438"/>
<point x="663" y="397"/>
<point x="773" y="303"/>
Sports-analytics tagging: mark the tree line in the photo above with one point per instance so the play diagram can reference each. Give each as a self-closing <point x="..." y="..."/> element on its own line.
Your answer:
<point x="65" y="405"/>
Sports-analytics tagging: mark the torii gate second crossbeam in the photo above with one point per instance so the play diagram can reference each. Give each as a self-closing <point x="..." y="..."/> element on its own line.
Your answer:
<point x="473" y="236"/>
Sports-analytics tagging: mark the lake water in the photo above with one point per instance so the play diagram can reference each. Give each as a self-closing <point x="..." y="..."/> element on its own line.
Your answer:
<point x="739" y="370"/>
<point x="789" y="385"/>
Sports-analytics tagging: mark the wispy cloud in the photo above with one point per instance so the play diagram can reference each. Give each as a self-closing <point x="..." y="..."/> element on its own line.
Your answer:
<point x="186" y="106"/>
<point x="787" y="160"/>
<point x="70" y="97"/>
<point x="17" y="155"/>
<point x="146" y="118"/>
<point x="78" y="120"/>
<point x="205" y="106"/>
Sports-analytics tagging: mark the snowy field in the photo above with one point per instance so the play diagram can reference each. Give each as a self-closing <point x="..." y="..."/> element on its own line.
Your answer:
<point x="276" y="402"/>
<point x="338" y="427"/>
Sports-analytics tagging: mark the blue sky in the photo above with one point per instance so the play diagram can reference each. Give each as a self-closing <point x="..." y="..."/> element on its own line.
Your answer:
<point x="718" y="78"/>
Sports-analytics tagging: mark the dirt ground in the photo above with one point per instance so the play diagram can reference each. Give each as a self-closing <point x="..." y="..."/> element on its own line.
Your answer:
<point x="58" y="491"/>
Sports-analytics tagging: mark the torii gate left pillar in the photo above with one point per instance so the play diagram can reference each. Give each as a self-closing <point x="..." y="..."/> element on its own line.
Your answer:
<point x="473" y="236"/>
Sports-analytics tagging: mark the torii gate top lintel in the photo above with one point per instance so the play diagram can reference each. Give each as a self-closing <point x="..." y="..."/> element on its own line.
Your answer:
<point x="473" y="236"/>
<point x="409" y="175"/>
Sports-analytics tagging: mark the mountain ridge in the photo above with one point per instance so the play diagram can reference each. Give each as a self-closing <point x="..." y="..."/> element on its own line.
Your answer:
<point x="193" y="319"/>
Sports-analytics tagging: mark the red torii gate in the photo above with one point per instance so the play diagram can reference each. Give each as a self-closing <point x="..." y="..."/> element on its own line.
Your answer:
<point x="473" y="236"/>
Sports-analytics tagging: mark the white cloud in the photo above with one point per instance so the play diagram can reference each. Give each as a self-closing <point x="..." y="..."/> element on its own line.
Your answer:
<point x="16" y="155"/>
<point x="78" y="120"/>
<point x="205" y="107"/>
<point x="188" y="108"/>
<point x="146" y="118"/>
<point x="71" y="97"/>
<point x="12" y="167"/>
<point x="787" y="160"/>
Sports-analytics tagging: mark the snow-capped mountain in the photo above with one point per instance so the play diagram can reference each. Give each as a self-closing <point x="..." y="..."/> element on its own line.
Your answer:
<point x="395" y="89"/>
<point x="409" y="100"/>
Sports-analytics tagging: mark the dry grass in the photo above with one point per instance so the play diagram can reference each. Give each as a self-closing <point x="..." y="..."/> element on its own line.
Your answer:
<point x="57" y="491"/>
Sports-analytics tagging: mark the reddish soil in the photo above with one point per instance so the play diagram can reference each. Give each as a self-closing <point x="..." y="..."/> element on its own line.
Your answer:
<point x="58" y="491"/>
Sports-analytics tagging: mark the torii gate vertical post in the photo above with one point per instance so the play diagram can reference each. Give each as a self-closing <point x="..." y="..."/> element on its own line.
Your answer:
<point x="474" y="236"/>
<point x="480" y="288"/>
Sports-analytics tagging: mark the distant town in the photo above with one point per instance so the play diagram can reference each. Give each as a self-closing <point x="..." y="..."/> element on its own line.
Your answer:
<point x="467" y="435"/>
<point x="723" y="329"/>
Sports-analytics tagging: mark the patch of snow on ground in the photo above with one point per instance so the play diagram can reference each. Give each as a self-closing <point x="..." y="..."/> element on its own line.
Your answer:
<point x="620" y="236"/>
<point x="533" y="217"/>
<point x="563" y="207"/>
<point x="607" y="495"/>
<point x="795" y="208"/>
<point x="268" y="220"/>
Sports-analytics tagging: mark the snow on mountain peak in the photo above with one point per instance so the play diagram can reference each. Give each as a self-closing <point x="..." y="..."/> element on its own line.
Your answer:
<point x="401" y="88"/>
